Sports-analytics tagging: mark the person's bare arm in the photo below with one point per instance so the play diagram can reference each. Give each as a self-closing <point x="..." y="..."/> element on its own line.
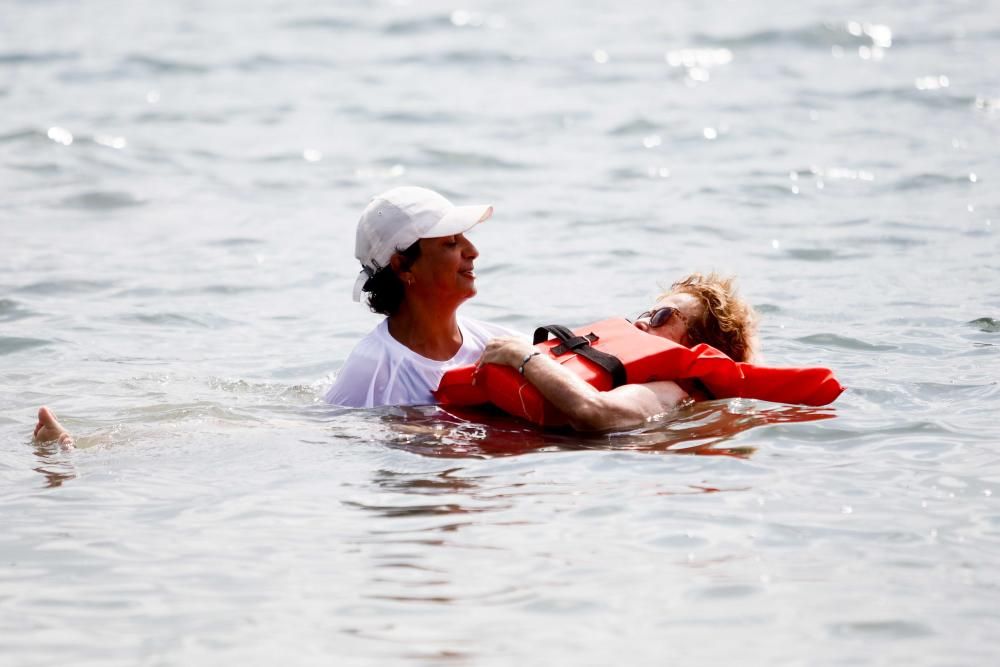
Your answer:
<point x="587" y="408"/>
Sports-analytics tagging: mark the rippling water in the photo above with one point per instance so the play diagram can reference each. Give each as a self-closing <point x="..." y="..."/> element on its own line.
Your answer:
<point x="180" y="185"/>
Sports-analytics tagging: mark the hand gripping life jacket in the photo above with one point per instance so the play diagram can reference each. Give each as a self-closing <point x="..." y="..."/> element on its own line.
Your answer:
<point x="613" y="352"/>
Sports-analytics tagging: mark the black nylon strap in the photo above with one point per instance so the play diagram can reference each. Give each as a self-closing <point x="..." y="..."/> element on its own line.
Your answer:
<point x="700" y="386"/>
<point x="572" y="343"/>
<point x="557" y="330"/>
<point x="582" y="346"/>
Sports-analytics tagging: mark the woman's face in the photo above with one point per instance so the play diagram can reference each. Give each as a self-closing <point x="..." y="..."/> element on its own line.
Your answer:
<point x="688" y="308"/>
<point x="444" y="269"/>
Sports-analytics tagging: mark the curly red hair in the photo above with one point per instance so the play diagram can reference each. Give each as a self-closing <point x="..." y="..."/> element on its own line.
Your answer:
<point x="727" y="323"/>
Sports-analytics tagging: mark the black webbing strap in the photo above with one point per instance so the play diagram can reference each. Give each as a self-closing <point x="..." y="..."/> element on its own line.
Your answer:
<point x="582" y="346"/>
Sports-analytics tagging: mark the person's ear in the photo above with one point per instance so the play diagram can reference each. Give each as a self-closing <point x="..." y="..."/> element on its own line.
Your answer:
<point x="400" y="268"/>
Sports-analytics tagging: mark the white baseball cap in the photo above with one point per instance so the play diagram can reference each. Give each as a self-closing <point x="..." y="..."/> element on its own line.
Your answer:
<point x="395" y="220"/>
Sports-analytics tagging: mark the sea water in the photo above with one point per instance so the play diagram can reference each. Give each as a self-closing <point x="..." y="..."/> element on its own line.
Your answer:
<point x="179" y="184"/>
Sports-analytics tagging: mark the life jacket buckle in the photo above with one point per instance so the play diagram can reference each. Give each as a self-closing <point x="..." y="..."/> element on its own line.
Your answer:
<point x="574" y="343"/>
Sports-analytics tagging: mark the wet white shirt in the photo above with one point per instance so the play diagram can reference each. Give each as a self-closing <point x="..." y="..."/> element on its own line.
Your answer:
<point x="382" y="371"/>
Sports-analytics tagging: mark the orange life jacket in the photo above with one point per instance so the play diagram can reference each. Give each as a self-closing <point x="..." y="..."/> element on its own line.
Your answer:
<point x="702" y="370"/>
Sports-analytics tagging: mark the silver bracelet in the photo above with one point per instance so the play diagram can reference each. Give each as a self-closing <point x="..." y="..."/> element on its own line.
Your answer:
<point x="528" y="357"/>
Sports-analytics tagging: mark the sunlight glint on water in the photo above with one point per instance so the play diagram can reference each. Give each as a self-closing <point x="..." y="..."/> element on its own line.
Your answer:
<point x="180" y="187"/>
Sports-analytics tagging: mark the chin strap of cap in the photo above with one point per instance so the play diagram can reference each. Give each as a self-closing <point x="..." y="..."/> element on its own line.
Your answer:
<point x="582" y="345"/>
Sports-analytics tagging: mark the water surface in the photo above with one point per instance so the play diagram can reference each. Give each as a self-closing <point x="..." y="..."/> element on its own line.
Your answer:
<point x="180" y="186"/>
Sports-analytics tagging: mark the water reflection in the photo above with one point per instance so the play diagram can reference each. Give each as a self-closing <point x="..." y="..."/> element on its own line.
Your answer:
<point x="703" y="429"/>
<point x="465" y="524"/>
<point x="395" y="511"/>
<point x="423" y="498"/>
<point x="460" y="495"/>
<point x="52" y="465"/>
<point x="442" y="482"/>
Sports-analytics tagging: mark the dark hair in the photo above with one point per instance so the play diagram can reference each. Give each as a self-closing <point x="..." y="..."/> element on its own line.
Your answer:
<point x="385" y="289"/>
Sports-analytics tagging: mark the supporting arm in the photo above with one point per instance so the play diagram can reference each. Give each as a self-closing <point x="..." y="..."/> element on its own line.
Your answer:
<point x="587" y="408"/>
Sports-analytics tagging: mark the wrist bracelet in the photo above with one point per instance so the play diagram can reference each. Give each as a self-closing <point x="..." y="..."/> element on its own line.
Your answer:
<point x="528" y="357"/>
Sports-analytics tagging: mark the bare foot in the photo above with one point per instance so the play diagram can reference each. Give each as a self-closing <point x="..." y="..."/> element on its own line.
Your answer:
<point x="48" y="428"/>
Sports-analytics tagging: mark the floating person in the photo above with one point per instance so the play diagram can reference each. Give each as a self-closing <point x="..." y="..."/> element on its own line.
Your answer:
<point x="697" y="341"/>
<point x="417" y="268"/>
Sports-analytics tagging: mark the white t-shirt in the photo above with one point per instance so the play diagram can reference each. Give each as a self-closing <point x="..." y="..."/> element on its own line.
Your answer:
<point x="382" y="371"/>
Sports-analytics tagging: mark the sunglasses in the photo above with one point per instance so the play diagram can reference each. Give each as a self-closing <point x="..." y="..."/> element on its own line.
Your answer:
<point x="659" y="316"/>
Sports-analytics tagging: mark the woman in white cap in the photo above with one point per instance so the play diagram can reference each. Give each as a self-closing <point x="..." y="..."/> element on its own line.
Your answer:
<point x="417" y="268"/>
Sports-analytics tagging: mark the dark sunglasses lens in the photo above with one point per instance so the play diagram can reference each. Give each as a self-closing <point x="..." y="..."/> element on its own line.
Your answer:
<point x="661" y="317"/>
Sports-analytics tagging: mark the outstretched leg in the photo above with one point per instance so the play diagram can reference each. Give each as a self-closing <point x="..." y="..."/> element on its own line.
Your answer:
<point x="48" y="428"/>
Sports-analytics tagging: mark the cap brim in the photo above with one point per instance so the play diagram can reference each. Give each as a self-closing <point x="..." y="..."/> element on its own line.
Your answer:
<point x="458" y="221"/>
